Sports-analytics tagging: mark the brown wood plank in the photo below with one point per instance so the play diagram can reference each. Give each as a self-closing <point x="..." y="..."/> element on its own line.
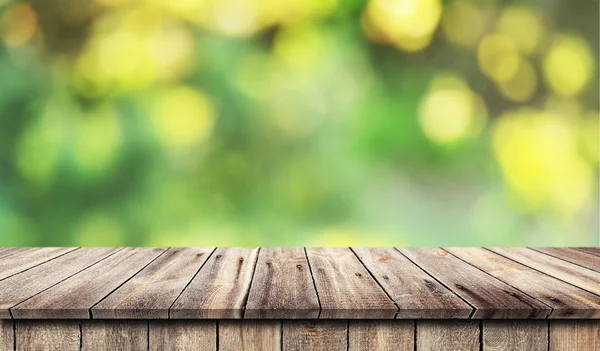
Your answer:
<point x="151" y="292"/>
<point x="73" y="298"/>
<point x="447" y="335"/>
<point x="47" y="335"/>
<point x="575" y="335"/>
<point x="345" y="288"/>
<point x="21" y="286"/>
<point x="315" y="335"/>
<point x="6" y="335"/>
<point x="491" y="298"/>
<point x="415" y="292"/>
<point x="249" y="335"/>
<point x="566" y="271"/>
<point x="515" y="335"/>
<point x="591" y="250"/>
<point x="221" y="287"/>
<point x="566" y="300"/>
<point x="183" y="335"/>
<point x="109" y="335"/>
<point x="26" y="259"/>
<point x="577" y="257"/>
<point x="282" y="286"/>
<point x="381" y="335"/>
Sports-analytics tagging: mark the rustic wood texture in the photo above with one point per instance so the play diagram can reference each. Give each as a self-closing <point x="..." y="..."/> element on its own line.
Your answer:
<point x="74" y="297"/>
<point x="581" y="258"/>
<point x="24" y="285"/>
<point x="415" y="292"/>
<point x="47" y="335"/>
<point x="563" y="270"/>
<point x="566" y="300"/>
<point x="13" y="264"/>
<point x="6" y="335"/>
<point x="221" y="287"/>
<point x="381" y="335"/>
<point x="574" y="335"/>
<point x="490" y="297"/>
<point x="249" y="335"/>
<point x="183" y="335"/>
<point x="113" y="335"/>
<point x="315" y="335"/>
<point x="282" y="286"/>
<point x="447" y="335"/>
<point x="7" y="251"/>
<point x="591" y="250"/>
<point x="345" y="288"/>
<point x="515" y="335"/>
<point x="151" y="292"/>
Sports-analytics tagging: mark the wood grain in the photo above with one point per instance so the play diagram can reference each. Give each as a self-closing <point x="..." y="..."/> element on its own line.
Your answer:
<point x="113" y="335"/>
<point x="575" y="335"/>
<point x="221" y="287"/>
<point x="6" y="335"/>
<point x="47" y="335"/>
<point x="491" y="298"/>
<point x="7" y="251"/>
<point x="567" y="301"/>
<point x="415" y="292"/>
<point x="515" y="335"/>
<point x="180" y="335"/>
<point x="26" y="259"/>
<point x="345" y="288"/>
<point x="21" y="286"/>
<point x="591" y="250"/>
<point x="381" y="335"/>
<point x="151" y="292"/>
<point x="249" y="335"/>
<point x="577" y="257"/>
<point x="315" y="335"/>
<point x="566" y="271"/>
<point x="74" y="297"/>
<point x="282" y="286"/>
<point x="447" y="335"/>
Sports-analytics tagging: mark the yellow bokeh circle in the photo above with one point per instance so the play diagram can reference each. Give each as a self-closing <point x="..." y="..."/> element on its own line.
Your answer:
<point x="498" y="57"/>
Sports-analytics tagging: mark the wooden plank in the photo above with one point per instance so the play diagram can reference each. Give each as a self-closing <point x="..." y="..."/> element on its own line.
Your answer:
<point x="345" y="288"/>
<point x="110" y="335"/>
<point x="26" y="259"/>
<point x="566" y="271"/>
<point x="183" y="335"/>
<point x="491" y="298"/>
<point x="567" y="301"/>
<point x="575" y="335"/>
<point x="447" y="335"/>
<point x="21" y="286"/>
<point x="151" y="292"/>
<point x="315" y="335"/>
<point x="515" y="335"/>
<point x="249" y="335"/>
<point x="8" y="251"/>
<point x="6" y="335"/>
<point x="591" y="250"/>
<point x="381" y="335"/>
<point x="282" y="286"/>
<point x="415" y="292"/>
<point x="73" y="298"/>
<point x="47" y="335"/>
<point x="221" y="287"/>
<point x="577" y="257"/>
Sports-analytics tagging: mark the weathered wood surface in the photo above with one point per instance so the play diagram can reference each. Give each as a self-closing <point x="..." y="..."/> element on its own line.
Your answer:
<point x="447" y="335"/>
<point x="415" y="292"/>
<point x="381" y="335"/>
<point x="151" y="292"/>
<point x="110" y="335"/>
<point x="490" y="297"/>
<point x="6" y="335"/>
<point x="578" y="336"/>
<point x="299" y="283"/>
<point x="42" y="335"/>
<point x="249" y="335"/>
<point x="591" y="250"/>
<point x="345" y="287"/>
<point x="515" y="335"/>
<point x="566" y="300"/>
<point x="74" y="297"/>
<point x="315" y="335"/>
<point x="221" y="287"/>
<point x="282" y="286"/>
<point x="183" y="335"/>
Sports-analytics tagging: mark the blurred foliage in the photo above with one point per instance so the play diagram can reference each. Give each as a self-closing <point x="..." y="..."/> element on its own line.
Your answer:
<point x="299" y="122"/>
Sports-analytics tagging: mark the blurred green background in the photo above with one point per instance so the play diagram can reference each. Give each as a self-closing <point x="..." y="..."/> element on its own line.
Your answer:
<point x="299" y="122"/>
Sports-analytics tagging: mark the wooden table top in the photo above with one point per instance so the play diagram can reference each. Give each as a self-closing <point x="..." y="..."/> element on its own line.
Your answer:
<point x="308" y="283"/>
